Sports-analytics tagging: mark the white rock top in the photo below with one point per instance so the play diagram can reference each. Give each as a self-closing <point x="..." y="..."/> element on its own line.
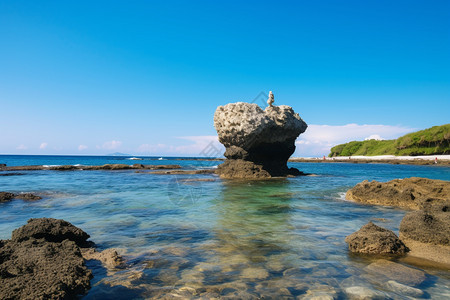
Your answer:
<point x="271" y="99"/>
<point x="242" y="124"/>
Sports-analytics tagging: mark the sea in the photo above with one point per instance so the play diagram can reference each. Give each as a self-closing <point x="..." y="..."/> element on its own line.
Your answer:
<point x="193" y="236"/>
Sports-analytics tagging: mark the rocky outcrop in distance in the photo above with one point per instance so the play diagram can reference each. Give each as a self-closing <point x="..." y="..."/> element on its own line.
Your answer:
<point x="258" y="142"/>
<point x="6" y="196"/>
<point x="79" y="167"/>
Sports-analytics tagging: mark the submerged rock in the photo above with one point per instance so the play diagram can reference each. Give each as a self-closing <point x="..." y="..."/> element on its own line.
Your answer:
<point x="109" y="257"/>
<point x="363" y="293"/>
<point x="397" y="272"/>
<point x="373" y="239"/>
<point x="403" y="289"/>
<point x="6" y="196"/>
<point x="411" y="193"/>
<point x="258" y="142"/>
<point x="43" y="261"/>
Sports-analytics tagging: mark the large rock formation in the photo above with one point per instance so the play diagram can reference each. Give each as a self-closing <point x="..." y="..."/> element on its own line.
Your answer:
<point x="258" y="142"/>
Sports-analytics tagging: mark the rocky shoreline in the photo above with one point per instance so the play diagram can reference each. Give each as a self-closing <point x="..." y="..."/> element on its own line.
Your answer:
<point x="368" y="160"/>
<point x="45" y="259"/>
<point x="89" y="168"/>
<point x="424" y="231"/>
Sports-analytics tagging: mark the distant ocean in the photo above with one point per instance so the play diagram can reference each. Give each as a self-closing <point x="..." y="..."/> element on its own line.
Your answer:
<point x="199" y="233"/>
<point x="25" y="160"/>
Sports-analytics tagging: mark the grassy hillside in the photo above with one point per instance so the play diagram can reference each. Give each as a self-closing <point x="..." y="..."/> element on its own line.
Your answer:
<point x="434" y="140"/>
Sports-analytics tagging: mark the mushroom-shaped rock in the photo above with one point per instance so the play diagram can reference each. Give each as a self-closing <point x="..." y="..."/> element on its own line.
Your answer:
<point x="373" y="239"/>
<point x="263" y="138"/>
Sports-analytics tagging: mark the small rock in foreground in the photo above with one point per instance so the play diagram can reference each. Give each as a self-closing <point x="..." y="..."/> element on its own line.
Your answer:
<point x="373" y="239"/>
<point x="43" y="261"/>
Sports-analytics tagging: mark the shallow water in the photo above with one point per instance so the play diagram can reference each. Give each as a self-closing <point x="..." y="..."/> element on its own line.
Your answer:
<point x="280" y="238"/>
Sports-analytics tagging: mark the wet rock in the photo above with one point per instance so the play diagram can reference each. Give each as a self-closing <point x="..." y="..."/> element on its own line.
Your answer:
<point x="363" y="293"/>
<point x="255" y="273"/>
<point x="397" y="272"/>
<point x="101" y="167"/>
<point x="109" y="257"/>
<point x="428" y="226"/>
<point x="62" y="168"/>
<point x="321" y="292"/>
<point x="402" y="289"/>
<point x="5" y="196"/>
<point x="373" y="239"/>
<point x="52" y="230"/>
<point x="258" y="142"/>
<point x="12" y="174"/>
<point x="181" y="172"/>
<point x="37" y="264"/>
<point x="28" y="197"/>
<point x="411" y="193"/>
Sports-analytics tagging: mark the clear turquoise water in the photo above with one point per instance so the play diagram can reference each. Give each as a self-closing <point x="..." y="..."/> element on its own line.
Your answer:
<point x="277" y="238"/>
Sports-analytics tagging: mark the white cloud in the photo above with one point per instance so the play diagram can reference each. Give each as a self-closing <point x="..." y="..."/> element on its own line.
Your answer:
<point x="82" y="147"/>
<point x="201" y="146"/>
<point x="206" y="145"/>
<point x="376" y="137"/>
<point x="318" y="139"/>
<point x="21" y="147"/>
<point x="43" y="146"/>
<point x="153" y="149"/>
<point x="111" y="145"/>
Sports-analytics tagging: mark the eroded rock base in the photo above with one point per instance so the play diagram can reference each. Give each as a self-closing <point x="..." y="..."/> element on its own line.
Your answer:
<point x="244" y="169"/>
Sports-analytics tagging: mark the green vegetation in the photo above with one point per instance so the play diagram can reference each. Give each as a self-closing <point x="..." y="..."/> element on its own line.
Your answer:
<point x="434" y="140"/>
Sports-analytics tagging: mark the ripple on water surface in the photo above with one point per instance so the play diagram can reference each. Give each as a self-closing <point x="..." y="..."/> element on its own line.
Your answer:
<point x="187" y="238"/>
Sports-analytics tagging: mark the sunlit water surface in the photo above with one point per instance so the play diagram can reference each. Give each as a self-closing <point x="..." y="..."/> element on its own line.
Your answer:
<point x="281" y="238"/>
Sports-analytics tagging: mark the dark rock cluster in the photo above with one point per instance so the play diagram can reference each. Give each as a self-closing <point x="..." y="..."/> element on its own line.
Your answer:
<point x="6" y="196"/>
<point x="424" y="231"/>
<point x="42" y="260"/>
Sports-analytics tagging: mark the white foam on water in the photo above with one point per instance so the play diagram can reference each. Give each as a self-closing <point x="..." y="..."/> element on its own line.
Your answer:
<point x="341" y="196"/>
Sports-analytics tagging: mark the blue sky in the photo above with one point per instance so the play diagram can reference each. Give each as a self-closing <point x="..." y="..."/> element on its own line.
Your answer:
<point x="145" y="77"/>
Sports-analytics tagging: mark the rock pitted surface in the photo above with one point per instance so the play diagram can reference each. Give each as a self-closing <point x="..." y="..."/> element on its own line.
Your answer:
<point x="43" y="261"/>
<point x="428" y="226"/>
<point x="373" y="239"/>
<point x="424" y="231"/>
<point x="52" y="230"/>
<point x="411" y="193"/>
<point x="260" y="140"/>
